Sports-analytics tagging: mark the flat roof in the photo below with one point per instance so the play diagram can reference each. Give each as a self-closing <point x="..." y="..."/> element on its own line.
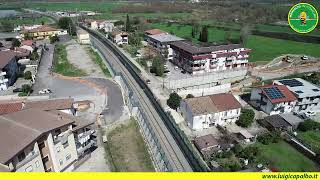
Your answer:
<point x="198" y="49"/>
<point x="300" y="87"/>
<point x="165" y="37"/>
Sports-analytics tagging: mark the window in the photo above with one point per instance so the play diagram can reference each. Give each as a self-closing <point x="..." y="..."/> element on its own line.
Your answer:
<point x="57" y="131"/>
<point x="58" y="149"/>
<point x="45" y="159"/>
<point x="37" y="164"/>
<point x="65" y="144"/>
<point x="61" y="162"/>
<point x="41" y="145"/>
<point x="29" y="169"/>
<point x="68" y="157"/>
<point x="21" y="156"/>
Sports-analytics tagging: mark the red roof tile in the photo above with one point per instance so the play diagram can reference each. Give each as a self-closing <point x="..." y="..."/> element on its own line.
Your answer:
<point x="27" y="42"/>
<point x="154" y="32"/>
<point x="225" y="101"/>
<point x="10" y="107"/>
<point x="289" y="96"/>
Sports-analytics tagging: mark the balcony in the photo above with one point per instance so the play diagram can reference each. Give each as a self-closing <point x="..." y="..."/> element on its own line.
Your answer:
<point x="81" y="149"/>
<point x="198" y="68"/>
<point x="63" y="137"/>
<point x="28" y="158"/>
<point x="213" y="66"/>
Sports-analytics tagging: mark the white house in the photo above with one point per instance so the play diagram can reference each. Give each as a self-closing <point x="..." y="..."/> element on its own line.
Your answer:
<point x="203" y="112"/>
<point x="273" y="99"/>
<point x="308" y="94"/>
<point x="119" y="37"/>
<point x="83" y="37"/>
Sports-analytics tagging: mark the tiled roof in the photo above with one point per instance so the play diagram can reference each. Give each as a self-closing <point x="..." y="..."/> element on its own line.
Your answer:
<point x="212" y="104"/>
<point x="155" y="32"/>
<point x="165" y="38"/>
<point x="206" y="141"/>
<point x="43" y="28"/>
<point x="288" y="95"/>
<point x="27" y="42"/>
<point x="50" y="104"/>
<point x="225" y="101"/>
<point x="10" y="106"/>
<point x="6" y="57"/>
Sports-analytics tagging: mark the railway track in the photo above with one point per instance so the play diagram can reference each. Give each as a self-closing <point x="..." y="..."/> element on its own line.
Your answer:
<point x="178" y="152"/>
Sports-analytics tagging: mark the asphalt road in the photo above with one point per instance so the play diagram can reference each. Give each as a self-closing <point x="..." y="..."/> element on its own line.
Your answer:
<point x="175" y="156"/>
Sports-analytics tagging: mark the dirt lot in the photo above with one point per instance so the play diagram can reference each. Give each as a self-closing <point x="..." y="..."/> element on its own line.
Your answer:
<point x="126" y="150"/>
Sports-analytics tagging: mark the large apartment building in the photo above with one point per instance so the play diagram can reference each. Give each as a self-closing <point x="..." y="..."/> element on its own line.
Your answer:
<point x="197" y="59"/>
<point x="35" y="140"/>
<point x="308" y="94"/>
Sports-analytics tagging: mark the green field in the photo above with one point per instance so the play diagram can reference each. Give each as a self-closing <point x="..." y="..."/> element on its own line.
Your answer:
<point x="61" y="65"/>
<point x="285" y="158"/>
<point x="17" y="21"/>
<point x="312" y="138"/>
<point x="263" y="48"/>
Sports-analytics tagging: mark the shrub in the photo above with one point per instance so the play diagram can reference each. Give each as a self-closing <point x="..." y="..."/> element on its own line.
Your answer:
<point x="22" y="94"/>
<point x="34" y="56"/>
<point x="246" y="118"/>
<point x="54" y="39"/>
<point x="28" y="75"/>
<point x="266" y="139"/>
<point x="26" y="88"/>
<point x="190" y="96"/>
<point x="308" y="125"/>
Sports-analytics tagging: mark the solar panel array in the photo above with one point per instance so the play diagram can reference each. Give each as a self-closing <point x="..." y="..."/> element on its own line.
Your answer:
<point x="291" y="82"/>
<point x="273" y="93"/>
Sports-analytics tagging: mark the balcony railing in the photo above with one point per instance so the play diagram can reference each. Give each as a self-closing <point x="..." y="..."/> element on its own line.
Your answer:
<point x="28" y="158"/>
<point x="81" y="149"/>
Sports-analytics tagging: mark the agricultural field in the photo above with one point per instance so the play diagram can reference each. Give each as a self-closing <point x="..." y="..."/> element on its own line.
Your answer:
<point x="17" y="21"/>
<point x="285" y="158"/>
<point x="312" y="138"/>
<point x="263" y="48"/>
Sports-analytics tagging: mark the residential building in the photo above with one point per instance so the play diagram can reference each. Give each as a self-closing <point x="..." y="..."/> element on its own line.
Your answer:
<point x="244" y="136"/>
<point x="203" y="112"/>
<point x="64" y="105"/>
<point x="36" y="140"/>
<point x="197" y="59"/>
<point x="119" y="37"/>
<point x="308" y="94"/>
<point x="22" y="53"/>
<point x="276" y="123"/>
<point x="41" y="32"/>
<point x="161" y="43"/>
<point x="85" y="136"/>
<point x="83" y="36"/>
<point x="273" y="99"/>
<point x="9" y="69"/>
<point x="207" y="145"/>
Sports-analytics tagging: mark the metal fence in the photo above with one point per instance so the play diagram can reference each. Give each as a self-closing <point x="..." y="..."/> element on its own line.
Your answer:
<point x="158" y="156"/>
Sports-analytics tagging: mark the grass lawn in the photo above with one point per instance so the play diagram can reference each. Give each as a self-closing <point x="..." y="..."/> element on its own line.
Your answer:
<point x="126" y="151"/>
<point x="61" y="64"/>
<point x="263" y="48"/>
<point x="312" y="138"/>
<point x="17" y="21"/>
<point x="99" y="61"/>
<point x="285" y="158"/>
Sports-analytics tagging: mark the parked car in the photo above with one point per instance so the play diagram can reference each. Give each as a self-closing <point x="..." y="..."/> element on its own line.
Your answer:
<point x="183" y="71"/>
<point x="310" y="113"/>
<point x="138" y="54"/>
<point x="304" y="57"/>
<point x="148" y="81"/>
<point x="303" y="116"/>
<point x="166" y="71"/>
<point x="17" y="90"/>
<point x="45" y="91"/>
<point x="176" y="68"/>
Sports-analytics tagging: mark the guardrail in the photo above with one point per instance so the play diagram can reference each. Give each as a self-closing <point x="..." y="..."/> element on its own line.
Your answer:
<point x="185" y="146"/>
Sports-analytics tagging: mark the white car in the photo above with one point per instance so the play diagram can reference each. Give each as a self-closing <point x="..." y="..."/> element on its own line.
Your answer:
<point x="304" y="57"/>
<point x="45" y="91"/>
<point x="176" y="68"/>
<point x="310" y="113"/>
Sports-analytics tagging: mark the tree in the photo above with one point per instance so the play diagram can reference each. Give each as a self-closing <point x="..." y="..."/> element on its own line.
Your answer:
<point x="53" y="39"/>
<point x="34" y="56"/>
<point x="128" y="25"/>
<point x="246" y="118"/>
<point x="26" y="88"/>
<point x="134" y="39"/>
<point x="157" y="66"/>
<point x="245" y="33"/>
<point x="308" y="125"/>
<point x="204" y="34"/>
<point x="28" y="75"/>
<point x="174" y="101"/>
<point x="66" y="23"/>
<point x="189" y="96"/>
<point x="15" y="42"/>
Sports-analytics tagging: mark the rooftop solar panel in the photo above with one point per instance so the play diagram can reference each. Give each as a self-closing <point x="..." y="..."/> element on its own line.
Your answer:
<point x="273" y="93"/>
<point x="291" y="82"/>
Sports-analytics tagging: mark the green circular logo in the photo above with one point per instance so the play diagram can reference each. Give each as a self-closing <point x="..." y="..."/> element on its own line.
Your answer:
<point x="303" y="18"/>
